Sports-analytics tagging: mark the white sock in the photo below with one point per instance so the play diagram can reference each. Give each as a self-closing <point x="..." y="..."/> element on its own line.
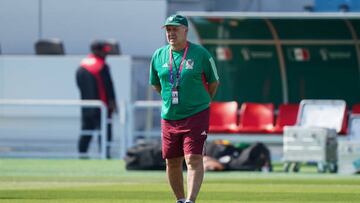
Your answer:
<point x="182" y="200"/>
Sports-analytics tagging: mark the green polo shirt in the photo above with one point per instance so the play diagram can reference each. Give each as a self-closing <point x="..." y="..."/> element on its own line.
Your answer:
<point x="198" y="69"/>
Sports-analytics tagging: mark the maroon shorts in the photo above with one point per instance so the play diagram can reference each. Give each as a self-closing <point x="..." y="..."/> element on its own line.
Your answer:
<point x="185" y="136"/>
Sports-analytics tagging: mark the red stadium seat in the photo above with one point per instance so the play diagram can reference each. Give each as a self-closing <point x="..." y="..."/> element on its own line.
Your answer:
<point x="287" y="116"/>
<point x="356" y="109"/>
<point x="223" y="117"/>
<point x="256" y="118"/>
<point x="344" y="127"/>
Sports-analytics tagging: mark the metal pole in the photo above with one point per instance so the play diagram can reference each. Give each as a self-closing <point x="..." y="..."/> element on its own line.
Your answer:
<point x="40" y="19"/>
<point x="282" y="64"/>
<point x="103" y="131"/>
<point x="123" y="129"/>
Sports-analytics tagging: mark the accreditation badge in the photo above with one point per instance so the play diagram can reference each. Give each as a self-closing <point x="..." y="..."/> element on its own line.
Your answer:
<point x="175" y="96"/>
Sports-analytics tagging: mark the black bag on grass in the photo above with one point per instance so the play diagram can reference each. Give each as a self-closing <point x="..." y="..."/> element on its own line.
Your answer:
<point x="146" y="155"/>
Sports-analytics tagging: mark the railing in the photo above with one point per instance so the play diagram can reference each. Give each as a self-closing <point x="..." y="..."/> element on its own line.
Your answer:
<point x="148" y="133"/>
<point x="240" y="137"/>
<point x="127" y="114"/>
<point x="68" y="103"/>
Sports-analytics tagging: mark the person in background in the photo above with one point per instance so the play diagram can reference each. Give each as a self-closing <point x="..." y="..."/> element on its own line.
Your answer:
<point x="185" y="76"/>
<point x="95" y="83"/>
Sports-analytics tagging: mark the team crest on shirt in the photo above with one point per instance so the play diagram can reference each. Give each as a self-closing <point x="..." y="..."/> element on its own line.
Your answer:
<point x="189" y="64"/>
<point x="165" y="65"/>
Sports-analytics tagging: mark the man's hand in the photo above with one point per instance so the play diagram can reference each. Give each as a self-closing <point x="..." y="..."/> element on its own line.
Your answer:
<point x="212" y="88"/>
<point x="112" y="107"/>
<point x="157" y="88"/>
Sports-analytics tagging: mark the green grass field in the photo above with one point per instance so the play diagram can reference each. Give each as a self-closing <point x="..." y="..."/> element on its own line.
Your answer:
<point x="25" y="180"/>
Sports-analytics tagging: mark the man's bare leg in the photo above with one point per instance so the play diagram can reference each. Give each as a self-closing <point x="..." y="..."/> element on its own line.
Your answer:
<point x="195" y="175"/>
<point x="175" y="176"/>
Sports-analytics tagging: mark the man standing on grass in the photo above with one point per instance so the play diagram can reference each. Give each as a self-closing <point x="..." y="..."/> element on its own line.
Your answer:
<point x="94" y="81"/>
<point x="185" y="76"/>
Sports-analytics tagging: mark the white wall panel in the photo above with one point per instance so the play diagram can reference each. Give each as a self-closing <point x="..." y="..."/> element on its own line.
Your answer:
<point x="136" y="24"/>
<point x="284" y="5"/>
<point x="53" y="77"/>
<point x="19" y="25"/>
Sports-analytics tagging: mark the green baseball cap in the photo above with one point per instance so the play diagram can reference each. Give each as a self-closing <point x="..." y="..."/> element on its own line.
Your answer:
<point x="176" y="20"/>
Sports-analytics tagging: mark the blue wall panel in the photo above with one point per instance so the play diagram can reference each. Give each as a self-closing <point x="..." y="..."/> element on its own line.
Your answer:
<point x="333" y="5"/>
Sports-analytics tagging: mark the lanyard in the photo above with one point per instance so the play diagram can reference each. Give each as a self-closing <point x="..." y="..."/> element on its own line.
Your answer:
<point x="180" y="68"/>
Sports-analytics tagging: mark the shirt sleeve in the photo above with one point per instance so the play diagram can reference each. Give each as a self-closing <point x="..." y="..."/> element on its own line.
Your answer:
<point x="109" y="86"/>
<point x="153" y="76"/>
<point x="210" y="70"/>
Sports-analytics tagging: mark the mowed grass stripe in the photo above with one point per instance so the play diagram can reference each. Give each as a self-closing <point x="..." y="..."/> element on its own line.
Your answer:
<point x="107" y="181"/>
<point x="150" y="193"/>
<point x="84" y="194"/>
<point x="278" y="197"/>
<point x="308" y="188"/>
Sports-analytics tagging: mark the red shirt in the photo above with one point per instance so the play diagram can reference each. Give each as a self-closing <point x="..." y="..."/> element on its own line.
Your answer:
<point x="94" y="65"/>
